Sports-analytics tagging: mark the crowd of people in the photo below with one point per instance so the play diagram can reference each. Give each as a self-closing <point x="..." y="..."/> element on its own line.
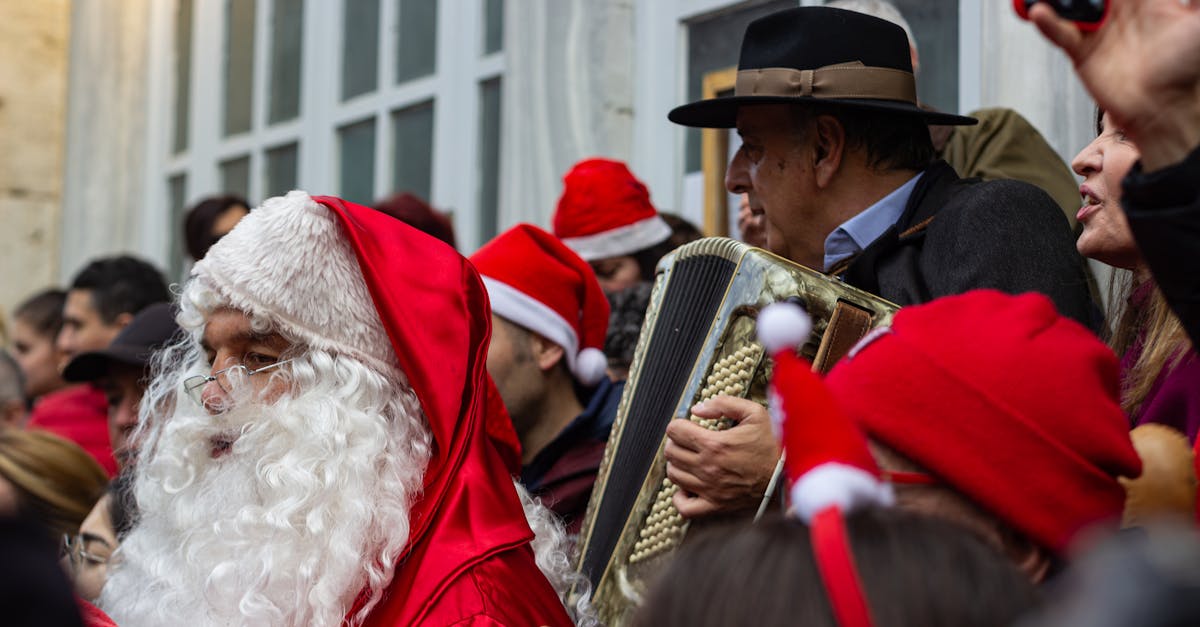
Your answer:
<point x="339" y="419"/>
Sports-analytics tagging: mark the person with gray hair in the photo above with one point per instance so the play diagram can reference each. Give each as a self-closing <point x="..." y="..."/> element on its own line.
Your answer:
<point x="12" y="392"/>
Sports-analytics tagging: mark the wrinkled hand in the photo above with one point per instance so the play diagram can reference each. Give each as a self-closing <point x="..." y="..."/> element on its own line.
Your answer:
<point x="1142" y="67"/>
<point x="721" y="471"/>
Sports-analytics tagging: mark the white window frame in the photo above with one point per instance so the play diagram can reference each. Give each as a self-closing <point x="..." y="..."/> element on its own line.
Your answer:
<point x="454" y="89"/>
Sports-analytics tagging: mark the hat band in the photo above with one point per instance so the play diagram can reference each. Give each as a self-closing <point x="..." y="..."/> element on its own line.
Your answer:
<point x="844" y="80"/>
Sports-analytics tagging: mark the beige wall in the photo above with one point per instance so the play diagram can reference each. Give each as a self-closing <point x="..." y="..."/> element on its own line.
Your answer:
<point x="33" y="90"/>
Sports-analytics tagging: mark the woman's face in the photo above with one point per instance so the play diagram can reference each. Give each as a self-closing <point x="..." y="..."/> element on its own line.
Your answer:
<point x="616" y="273"/>
<point x="1102" y="164"/>
<point x="39" y="359"/>
<point x="90" y="561"/>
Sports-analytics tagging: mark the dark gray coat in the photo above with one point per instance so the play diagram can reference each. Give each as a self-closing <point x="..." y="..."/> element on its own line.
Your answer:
<point x="957" y="235"/>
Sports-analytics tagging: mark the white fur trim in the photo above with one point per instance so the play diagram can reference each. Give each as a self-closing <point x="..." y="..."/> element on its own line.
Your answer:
<point x="620" y="241"/>
<point x="783" y="325"/>
<point x="290" y="261"/>
<point x="590" y="366"/>
<point x="831" y="483"/>
<point x="522" y="309"/>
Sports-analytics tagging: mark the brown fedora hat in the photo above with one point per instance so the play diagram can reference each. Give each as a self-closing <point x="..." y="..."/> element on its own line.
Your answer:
<point x="819" y="54"/>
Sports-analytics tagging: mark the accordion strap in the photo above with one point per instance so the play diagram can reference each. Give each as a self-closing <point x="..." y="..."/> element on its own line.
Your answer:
<point x="847" y="326"/>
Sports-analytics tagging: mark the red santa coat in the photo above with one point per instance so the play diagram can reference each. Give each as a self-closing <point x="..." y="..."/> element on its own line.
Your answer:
<point x="468" y="561"/>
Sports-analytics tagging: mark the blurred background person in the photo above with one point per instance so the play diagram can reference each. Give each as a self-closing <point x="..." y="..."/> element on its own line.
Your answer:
<point x="209" y="220"/>
<point x="1159" y="368"/>
<point x="54" y="481"/>
<point x="605" y="216"/>
<point x="36" y="324"/>
<point x="103" y="298"/>
<point x="915" y="572"/>
<point x="12" y="393"/>
<point x="411" y="210"/>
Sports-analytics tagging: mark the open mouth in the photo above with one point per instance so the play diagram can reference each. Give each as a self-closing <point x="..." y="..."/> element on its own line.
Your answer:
<point x="222" y="443"/>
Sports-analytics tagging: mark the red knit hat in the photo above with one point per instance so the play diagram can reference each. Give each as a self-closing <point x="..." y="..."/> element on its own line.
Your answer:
<point x="605" y="212"/>
<point x="535" y="281"/>
<point x="1001" y="398"/>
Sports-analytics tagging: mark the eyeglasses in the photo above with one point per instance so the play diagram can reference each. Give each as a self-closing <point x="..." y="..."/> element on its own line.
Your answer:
<point x="194" y="386"/>
<point x="74" y="548"/>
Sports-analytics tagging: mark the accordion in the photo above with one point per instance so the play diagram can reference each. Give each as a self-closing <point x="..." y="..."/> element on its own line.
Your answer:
<point x="697" y="342"/>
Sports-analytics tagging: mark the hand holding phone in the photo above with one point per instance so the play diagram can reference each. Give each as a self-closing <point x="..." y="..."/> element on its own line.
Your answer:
<point x="1087" y="14"/>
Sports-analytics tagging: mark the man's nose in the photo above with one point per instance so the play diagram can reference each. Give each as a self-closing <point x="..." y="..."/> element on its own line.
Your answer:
<point x="214" y="397"/>
<point x="737" y="177"/>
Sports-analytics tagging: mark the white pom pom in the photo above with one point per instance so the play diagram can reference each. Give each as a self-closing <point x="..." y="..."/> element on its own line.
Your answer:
<point x="831" y="483"/>
<point x="590" y="366"/>
<point x="783" y="325"/>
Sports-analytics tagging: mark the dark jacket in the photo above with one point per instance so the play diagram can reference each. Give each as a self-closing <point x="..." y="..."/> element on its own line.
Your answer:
<point x="1164" y="213"/>
<point x="958" y="234"/>
<point x="563" y="473"/>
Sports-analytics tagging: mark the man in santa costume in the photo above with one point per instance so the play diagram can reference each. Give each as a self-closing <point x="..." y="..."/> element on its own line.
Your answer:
<point x="322" y="448"/>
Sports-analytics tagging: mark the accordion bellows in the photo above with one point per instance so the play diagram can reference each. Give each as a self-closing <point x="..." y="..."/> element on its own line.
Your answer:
<point x="697" y="342"/>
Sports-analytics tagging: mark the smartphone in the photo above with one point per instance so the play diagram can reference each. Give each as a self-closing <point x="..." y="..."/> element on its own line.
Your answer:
<point x="1087" y="14"/>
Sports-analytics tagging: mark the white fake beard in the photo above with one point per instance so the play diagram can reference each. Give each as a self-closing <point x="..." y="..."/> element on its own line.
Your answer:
<point x="306" y="509"/>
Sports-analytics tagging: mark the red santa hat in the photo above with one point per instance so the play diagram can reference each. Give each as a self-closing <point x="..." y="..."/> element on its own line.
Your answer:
<point x="830" y="470"/>
<point x="354" y="281"/>
<point x="605" y="212"/>
<point x="536" y="282"/>
<point x="1003" y="399"/>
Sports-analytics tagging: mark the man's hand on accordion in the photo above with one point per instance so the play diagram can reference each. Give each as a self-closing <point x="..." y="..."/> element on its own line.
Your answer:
<point x="721" y="471"/>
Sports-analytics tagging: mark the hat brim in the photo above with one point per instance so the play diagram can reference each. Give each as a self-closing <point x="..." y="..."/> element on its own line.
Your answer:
<point x="722" y="112"/>
<point x="97" y="364"/>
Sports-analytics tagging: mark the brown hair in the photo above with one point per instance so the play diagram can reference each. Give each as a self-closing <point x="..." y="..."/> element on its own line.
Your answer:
<point x="56" y="481"/>
<point x="1150" y="325"/>
<point x="916" y="572"/>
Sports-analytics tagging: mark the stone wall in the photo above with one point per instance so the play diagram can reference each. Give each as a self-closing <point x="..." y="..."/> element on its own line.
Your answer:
<point x="33" y="90"/>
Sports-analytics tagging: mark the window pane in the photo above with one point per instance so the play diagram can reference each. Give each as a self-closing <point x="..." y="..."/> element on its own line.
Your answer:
<point x="287" y="24"/>
<point x="357" y="144"/>
<point x="360" y="47"/>
<point x="281" y="170"/>
<point x="416" y="52"/>
<point x="935" y="25"/>
<point x="412" y="150"/>
<point x="489" y="158"/>
<point x="239" y="65"/>
<point x="714" y="44"/>
<point x="493" y="26"/>
<point x="176" y="193"/>
<point x="183" y="74"/>
<point x="235" y="176"/>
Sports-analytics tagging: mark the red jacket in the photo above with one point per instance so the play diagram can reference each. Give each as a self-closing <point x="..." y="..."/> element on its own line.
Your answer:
<point x="78" y="413"/>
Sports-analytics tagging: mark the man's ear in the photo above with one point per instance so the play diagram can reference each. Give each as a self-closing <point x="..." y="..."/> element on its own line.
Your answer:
<point x="121" y="320"/>
<point x="1030" y="558"/>
<point x="546" y="354"/>
<point x="829" y="146"/>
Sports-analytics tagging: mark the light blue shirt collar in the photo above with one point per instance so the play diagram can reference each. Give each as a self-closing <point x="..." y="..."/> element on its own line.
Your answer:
<point x="858" y="232"/>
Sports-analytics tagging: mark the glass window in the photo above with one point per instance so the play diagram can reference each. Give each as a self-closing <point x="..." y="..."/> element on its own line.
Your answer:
<point x="412" y="149"/>
<point x="493" y="26"/>
<point x="176" y="195"/>
<point x="281" y="170"/>
<point x="239" y="65"/>
<point x="416" y="51"/>
<point x="357" y="148"/>
<point x="183" y="74"/>
<point x="935" y="25"/>
<point x="287" y="26"/>
<point x="235" y="176"/>
<point x="714" y="44"/>
<point x="360" y="47"/>
<point x="489" y="158"/>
